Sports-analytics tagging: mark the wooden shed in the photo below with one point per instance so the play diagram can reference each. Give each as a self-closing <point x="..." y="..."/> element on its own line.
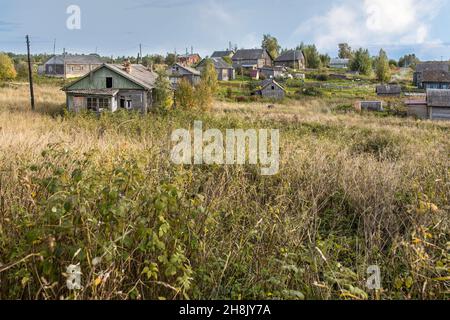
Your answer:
<point x="389" y="90"/>
<point x="271" y="89"/>
<point x="438" y="102"/>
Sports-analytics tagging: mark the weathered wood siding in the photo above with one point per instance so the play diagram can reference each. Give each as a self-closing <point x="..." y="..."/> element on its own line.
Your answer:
<point x="97" y="80"/>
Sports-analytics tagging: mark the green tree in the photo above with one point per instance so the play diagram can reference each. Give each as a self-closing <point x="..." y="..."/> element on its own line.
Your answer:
<point x="312" y="56"/>
<point x="408" y="60"/>
<point x="382" y="68"/>
<point x="361" y="62"/>
<point x="271" y="45"/>
<point x="163" y="91"/>
<point x="7" y="70"/>
<point x="185" y="95"/>
<point x="209" y="76"/>
<point x="345" y="51"/>
<point x="22" y="70"/>
<point x="324" y="60"/>
<point x="170" y="59"/>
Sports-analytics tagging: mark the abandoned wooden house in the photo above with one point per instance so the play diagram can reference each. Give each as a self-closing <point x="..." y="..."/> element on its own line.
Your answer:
<point x="225" y="72"/>
<point x="435" y="79"/>
<point x="389" y="90"/>
<point x="252" y="59"/>
<point x="293" y="59"/>
<point x="339" y="63"/>
<point x="422" y="67"/>
<point x="178" y="72"/>
<point x="71" y="66"/>
<point x="112" y="87"/>
<point x="270" y="89"/>
<point x="436" y="106"/>
<point x="223" y="54"/>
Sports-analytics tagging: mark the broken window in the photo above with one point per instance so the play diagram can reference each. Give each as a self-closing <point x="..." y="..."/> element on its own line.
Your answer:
<point x="109" y="82"/>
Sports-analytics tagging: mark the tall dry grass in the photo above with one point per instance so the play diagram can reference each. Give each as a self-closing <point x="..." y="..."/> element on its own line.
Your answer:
<point x="353" y="190"/>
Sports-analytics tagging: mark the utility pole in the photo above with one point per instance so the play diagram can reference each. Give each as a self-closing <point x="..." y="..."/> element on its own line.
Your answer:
<point x="140" y="52"/>
<point x="30" y="73"/>
<point x="54" y="57"/>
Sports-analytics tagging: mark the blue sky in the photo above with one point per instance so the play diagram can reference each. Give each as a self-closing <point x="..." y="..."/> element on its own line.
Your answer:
<point x="117" y="27"/>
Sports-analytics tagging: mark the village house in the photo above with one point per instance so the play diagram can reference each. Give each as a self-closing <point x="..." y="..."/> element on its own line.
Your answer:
<point x="272" y="72"/>
<point x="422" y="67"/>
<point x="70" y="66"/>
<point x="293" y="59"/>
<point x="189" y="59"/>
<point x="178" y="72"/>
<point x="223" y="54"/>
<point x="252" y="59"/>
<point x="389" y="90"/>
<point x="225" y="72"/>
<point x="436" y="106"/>
<point x="271" y="89"/>
<point x="111" y="87"/>
<point x="339" y="63"/>
<point x="435" y="79"/>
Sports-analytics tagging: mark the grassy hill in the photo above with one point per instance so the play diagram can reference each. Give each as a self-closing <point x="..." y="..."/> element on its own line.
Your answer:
<point x="354" y="190"/>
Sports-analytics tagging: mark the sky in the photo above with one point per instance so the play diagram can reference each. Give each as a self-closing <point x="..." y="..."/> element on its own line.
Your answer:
<point x="118" y="27"/>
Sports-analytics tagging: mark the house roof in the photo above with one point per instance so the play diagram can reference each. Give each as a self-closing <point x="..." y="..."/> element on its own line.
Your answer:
<point x="290" y="55"/>
<point x="95" y="92"/>
<point x="248" y="54"/>
<point x="436" y="76"/>
<point x="188" y="69"/>
<point x="219" y="63"/>
<point x="75" y="59"/>
<point x="389" y="89"/>
<point x="138" y="74"/>
<point x="221" y="54"/>
<point x="433" y="65"/>
<point x="269" y="82"/>
<point x="189" y="55"/>
<point x="438" y="98"/>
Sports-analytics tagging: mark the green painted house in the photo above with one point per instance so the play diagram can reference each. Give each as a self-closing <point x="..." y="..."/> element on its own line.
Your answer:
<point x="112" y="87"/>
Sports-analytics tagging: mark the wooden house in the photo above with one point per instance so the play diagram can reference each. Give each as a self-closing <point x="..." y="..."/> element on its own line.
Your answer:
<point x="293" y="59"/>
<point x="271" y="89"/>
<point x="436" y="79"/>
<point x="111" y="87"/>
<point x="178" y="72"/>
<point x="428" y="66"/>
<point x="436" y="106"/>
<point x="70" y="66"/>
<point x="252" y="59"/>
<point x="225" y="71"/>
<point x="389" y="90"/>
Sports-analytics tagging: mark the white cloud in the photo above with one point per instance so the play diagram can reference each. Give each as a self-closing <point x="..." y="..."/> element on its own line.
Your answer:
<point x="383" y="22"/>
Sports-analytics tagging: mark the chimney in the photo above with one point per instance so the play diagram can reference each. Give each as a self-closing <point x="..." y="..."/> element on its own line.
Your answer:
<point x="127" y="66"/>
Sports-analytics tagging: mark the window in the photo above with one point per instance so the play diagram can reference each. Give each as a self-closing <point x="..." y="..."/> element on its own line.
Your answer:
<point x="109" y="82"/>
<point x="92" y="103"/>
<point x="273" y="87"/>
<point x="103" y="103"/>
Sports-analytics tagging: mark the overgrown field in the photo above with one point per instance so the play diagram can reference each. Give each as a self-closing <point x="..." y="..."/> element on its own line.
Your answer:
<point x="353" y="191"/>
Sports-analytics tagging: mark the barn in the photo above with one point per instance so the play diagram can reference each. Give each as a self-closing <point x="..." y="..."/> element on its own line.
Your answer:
<point x="112" y="87"/>
<point x="435" y="107"/>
